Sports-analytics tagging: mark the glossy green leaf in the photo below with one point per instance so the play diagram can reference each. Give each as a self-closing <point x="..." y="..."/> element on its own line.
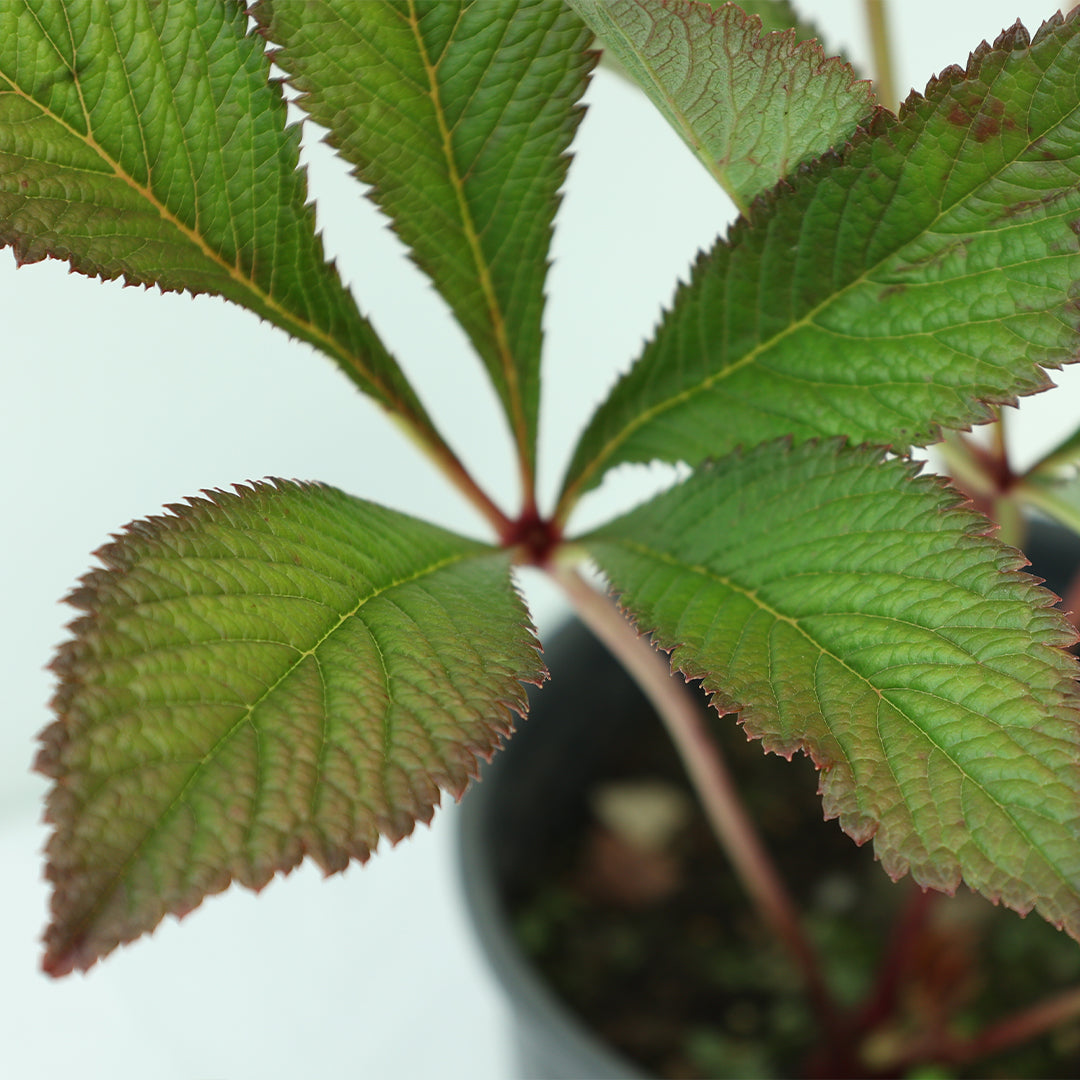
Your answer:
<point x="143" y="140"/>
<point x="282" y="672"/>
<point x="459" y="115"/>
<point x="929" y="270"/>
<point x="750" y="106"/>
<point x="857" y="614"/>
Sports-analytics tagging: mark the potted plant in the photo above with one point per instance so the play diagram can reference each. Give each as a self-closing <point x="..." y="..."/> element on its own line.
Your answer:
<point x="287" y="670"/>
<point x="626" y="948"/>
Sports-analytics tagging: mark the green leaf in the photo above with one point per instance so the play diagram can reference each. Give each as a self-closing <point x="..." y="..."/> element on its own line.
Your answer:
<point x="856" y="614"/>
<point x="459" y="115"/>
<point x="750" y="107"/>
<point x="143" y="140"/>
<point x="926" y="272"/>
<point x="282" y="672"/>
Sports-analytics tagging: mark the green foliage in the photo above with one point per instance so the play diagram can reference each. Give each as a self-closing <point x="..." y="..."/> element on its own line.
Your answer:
<point x="751" y="107"/>
<point x="289" y="671"/>
<point x="116" y="158"/>
<point x="884" y="635"/>
<point x="884" y="291"/>
<point x="282" y="672"/>
<point x="465" y="153"/>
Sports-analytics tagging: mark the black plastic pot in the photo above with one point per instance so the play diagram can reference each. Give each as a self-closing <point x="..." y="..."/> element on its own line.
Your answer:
<point x="534" y="792"/>
<point x="527" y="796"/>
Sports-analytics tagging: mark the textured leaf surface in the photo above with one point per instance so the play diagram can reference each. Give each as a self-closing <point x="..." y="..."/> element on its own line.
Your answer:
<point x="927" y="271"/>
<point x="854" y="613"/>
<point x="750" y="106"/>
<point x="142" y="140"/>
<point x="459" y="114"/>
<point x="283" y="672"/>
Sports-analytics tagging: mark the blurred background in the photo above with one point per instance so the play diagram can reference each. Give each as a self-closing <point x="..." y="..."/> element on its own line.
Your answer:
<point x="114" y="401"/>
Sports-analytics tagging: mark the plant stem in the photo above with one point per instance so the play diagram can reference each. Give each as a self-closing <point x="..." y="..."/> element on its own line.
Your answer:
<point x="999" y="436"/>
<point x="444" y="458"/>
<point x="986" y="477"/>
<point x="1012" y="1031"/>
<point x="881" y="1001"/>
<point x="707" y="771"/>
<point x="877" y="25"/>
<point x="528" y="487"/>
<point x="1020" y="1027"/>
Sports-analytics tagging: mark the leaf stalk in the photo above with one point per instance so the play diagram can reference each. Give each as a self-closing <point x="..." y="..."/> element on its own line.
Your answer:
<point x="708" y="774"/>
<point x="451" y="466"/>
<point x="877" y="24"/>
<point x="986" y="477"/>
<point x="1014" y="1030"/>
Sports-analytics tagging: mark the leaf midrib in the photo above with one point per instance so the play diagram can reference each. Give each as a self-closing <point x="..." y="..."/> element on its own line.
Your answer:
<point x="505" y="354"/>
<point x="573" y="490"/>
<point x="302" y="327"/>
<point x="155" y="828"/>
<point x="751" y="595"/>
<point x="715" y="166"/>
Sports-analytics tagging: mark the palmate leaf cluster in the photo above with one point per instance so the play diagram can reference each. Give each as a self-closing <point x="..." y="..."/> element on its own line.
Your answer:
<point x="289" y="670"/>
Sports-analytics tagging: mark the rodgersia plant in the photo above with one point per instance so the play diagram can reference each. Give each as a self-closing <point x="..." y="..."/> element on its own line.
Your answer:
<point x="287" y="670"/>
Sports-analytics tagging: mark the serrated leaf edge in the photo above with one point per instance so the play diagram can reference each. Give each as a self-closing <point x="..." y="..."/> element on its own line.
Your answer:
<point x="852" y="818"/>
<point x="810" y="50"/>
<point x="882" y="120"/>
<point x="58" y="734"/>
<point x="305" y="330"/>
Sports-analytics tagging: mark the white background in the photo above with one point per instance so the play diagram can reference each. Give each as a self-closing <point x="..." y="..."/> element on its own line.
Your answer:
<point x="114" y="401"/>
